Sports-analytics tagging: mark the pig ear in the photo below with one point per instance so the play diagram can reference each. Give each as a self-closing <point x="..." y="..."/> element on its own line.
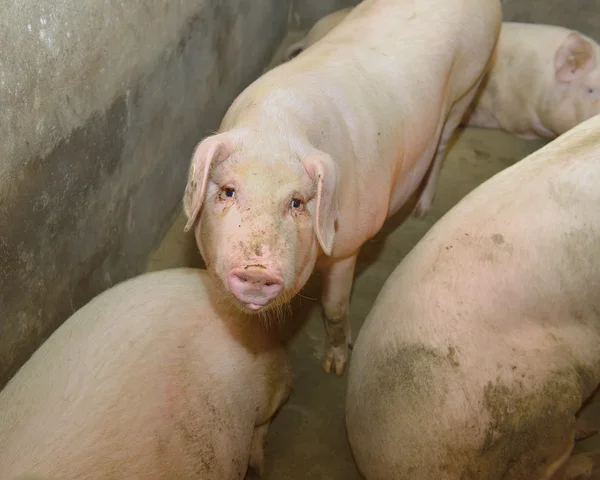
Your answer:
<point x="574" y="58"/>
<point x="210" y="151"/>
<point x="323" y="170"/>
<point x="294" y="50"/>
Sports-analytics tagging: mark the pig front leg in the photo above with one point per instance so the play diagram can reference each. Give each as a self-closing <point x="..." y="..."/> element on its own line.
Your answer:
<point x="337" y="284"/>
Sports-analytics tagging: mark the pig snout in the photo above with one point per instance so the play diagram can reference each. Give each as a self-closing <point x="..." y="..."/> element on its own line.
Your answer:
<point x="254" y="286"/>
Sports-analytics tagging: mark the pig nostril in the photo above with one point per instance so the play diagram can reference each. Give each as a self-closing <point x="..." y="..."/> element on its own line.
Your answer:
<point x="268" y="284"/>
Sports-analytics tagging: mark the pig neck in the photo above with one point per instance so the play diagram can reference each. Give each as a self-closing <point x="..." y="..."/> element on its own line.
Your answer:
<point x="282" y="124"/>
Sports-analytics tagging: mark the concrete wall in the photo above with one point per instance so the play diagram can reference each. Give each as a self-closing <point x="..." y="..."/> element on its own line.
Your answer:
<point x="306" y="12"/>
<point x="102" y="102"/>
<point x="582" y="15"/>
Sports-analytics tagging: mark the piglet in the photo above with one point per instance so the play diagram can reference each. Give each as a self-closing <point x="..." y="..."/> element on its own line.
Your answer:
<point x="152" y="379"/>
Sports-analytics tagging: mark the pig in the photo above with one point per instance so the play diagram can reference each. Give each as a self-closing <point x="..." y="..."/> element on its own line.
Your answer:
<point x="313" y="156"/>
<point x="544" y="80"/>
<point x="155" y="378"/>
<point x="321" y="28"/>
<point x="482" y="345"/>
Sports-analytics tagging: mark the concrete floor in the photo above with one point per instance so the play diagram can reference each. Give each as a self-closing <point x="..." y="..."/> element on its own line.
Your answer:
<point x="307" y="438"/>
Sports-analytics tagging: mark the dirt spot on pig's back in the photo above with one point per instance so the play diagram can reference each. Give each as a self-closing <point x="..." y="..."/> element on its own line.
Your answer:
<point x="529" y="429"/>
<point x="525" y="429"/>
<point x="405" y="384"/>
<point x="408" y="371"/>
<point x="402" y="392"/>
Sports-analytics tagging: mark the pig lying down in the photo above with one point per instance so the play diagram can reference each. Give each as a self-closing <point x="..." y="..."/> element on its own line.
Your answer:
<point x="313" y="156"/>
<point x="150" y="380"/>
<point x="483" y="344"/>
<point x="543" y="81"/>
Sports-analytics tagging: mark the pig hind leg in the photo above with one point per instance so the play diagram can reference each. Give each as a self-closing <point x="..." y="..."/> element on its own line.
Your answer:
<point x="337" y="285"/>
<point x="455" y="115"/>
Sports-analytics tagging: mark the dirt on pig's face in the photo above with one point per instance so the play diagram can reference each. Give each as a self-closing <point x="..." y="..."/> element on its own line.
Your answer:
<point x="256" y="231"/>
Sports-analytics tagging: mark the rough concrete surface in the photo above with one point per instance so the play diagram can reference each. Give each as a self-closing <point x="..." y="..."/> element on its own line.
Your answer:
<point x="582" y="15"/>
<point x="306" y="12"/>
<point x="308" y="438"/>
<point x="102" y="103"/>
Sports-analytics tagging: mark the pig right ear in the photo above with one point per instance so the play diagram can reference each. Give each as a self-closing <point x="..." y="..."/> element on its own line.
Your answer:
<point x="212" y="150"/>
<point x="321" y="168"/>
<point x="574" y="58"/>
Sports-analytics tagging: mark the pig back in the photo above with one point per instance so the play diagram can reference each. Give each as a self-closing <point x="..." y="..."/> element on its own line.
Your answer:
<point x="151" y="374"/>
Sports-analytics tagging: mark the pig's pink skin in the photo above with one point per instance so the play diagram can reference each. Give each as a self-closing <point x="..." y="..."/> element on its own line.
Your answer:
<point x="152" y="379"/>
<point x="314" y="156"/>
<point x="524" y="93"/>
<point x="544" y="80"/>
<point x="483" y="343"/>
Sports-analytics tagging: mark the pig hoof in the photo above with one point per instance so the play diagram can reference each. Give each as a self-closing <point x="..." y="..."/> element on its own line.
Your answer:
<point x="335" y="359"/>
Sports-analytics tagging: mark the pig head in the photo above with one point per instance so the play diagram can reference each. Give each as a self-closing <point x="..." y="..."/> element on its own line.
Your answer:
<point x="261" y="217"/>
<point x="576" y="96"/>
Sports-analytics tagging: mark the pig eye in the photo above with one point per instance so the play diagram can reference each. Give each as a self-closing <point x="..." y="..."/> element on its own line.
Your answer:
<point x="296" y="204"/>
<point x="228" y="192"/>
<point x="591" y="90"/>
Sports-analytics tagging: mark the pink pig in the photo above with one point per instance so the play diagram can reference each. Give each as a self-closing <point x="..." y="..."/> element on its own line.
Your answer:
<point x="313" y="156"/>
<point x="544" y="80"/>
<point x="152" y="379"/>
<point x="482" y="345"/>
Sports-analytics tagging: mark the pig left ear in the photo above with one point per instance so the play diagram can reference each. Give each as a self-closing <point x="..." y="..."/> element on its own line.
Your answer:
<point x="210" y="151"/>
<point x="323" y="170"/>
<point x="574" y="58"/>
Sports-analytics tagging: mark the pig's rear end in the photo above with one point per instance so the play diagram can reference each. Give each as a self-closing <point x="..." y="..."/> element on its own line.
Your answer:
<point x="483" y="344"/>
